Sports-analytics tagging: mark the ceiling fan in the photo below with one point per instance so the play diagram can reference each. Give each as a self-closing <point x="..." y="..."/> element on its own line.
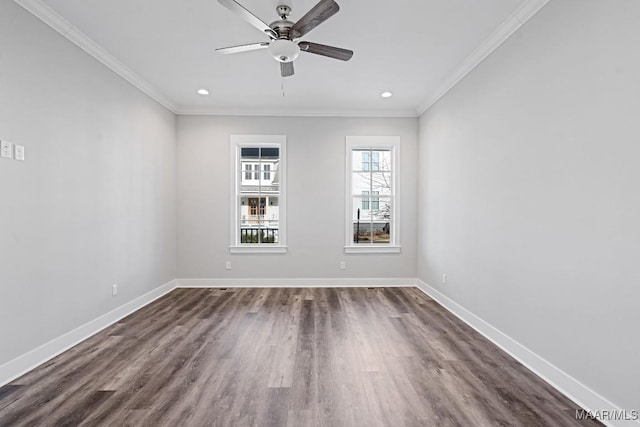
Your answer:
<point x="284" y="34"/>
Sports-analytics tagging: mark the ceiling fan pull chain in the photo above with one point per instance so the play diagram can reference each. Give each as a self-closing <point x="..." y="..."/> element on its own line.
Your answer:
<point x="282" y="86"/>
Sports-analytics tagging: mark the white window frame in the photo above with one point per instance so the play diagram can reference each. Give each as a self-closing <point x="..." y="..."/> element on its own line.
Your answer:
<point x="391" y="143"/>
<point x="264" y="141"/>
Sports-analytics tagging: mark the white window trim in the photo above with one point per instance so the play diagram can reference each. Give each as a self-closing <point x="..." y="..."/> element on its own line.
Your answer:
<point x="391" y="143"/>
<point x="238" y="142"/>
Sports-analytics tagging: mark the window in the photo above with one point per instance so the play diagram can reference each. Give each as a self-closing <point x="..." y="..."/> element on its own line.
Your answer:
<point x="372" y="188"/>
<point x="257" y="206"/>
<point x="258" y="193"/>
<point x="366" y="161"/>
<point x="365" y="200"/>
<point x="375" y="201"/>
<point x="370" y="161"/>
<point x="375" y="161"/>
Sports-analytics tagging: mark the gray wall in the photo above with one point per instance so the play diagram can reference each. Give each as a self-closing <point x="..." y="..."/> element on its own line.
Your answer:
<point x="94" y="204"/>
<point x="529" y="197"/>
<point x="315" y="199"/>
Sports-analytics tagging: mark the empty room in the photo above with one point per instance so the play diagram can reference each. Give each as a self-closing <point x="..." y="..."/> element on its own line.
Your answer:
<point x="319" y="213"/>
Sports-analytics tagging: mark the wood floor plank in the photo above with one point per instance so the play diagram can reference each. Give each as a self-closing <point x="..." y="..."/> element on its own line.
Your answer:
<point x="278" y="356"/>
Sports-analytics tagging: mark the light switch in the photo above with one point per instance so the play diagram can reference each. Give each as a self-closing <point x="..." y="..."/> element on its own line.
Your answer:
<point x="19" y="152"/>
<point x="6" y="149"/>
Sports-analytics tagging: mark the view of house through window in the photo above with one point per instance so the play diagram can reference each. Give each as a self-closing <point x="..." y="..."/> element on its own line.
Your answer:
<point x="372" y="192"/>
<point x="259" y="194"/>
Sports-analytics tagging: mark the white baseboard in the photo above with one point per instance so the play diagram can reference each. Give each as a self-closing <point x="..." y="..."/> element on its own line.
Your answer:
<point x="296" y="283"/>
<point x="569" y="386"/>
<point x="560" y="380"/>
<point x="17" y="367"/>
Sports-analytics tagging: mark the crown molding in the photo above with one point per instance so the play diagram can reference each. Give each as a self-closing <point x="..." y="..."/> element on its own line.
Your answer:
<point x="499" y="36"/>
<point x="62" y="26"/>
<point x="289" y="112"/>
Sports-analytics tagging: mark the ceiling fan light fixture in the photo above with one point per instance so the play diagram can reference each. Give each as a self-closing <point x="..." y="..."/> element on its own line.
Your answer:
<point x="203" y="92"/>
<point x="386" y="94"/>
<point x="284" y="50"/>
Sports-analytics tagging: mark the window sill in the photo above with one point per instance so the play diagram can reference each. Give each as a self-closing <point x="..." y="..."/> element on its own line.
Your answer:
<point x="257" y="249"/>
<point x="372" y="249"/>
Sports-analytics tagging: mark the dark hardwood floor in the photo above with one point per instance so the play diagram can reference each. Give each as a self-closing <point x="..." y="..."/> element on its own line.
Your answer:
<point x="286" y="357"/>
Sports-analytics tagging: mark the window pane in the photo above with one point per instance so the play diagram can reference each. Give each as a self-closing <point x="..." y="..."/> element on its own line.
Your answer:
<point x="362" y="232"/>
<point x="270" y="152"/>
<point x="383" y="213"/>
<point x="259" y="234"/>
<point x="375" y="161"/>
<point x="366" y="161"/>
<point x="360" y="158"/>
<point x="249" y="235"/>
<point x="382" y="159"/>
<point x="381" y="220"/>
<point x="381" y="232"/>
<point x="249" y="152"/>
<point x="269" y="234"/>
<point x="380" y="182"/>
<point x="361" y="221"/>
<point x="358" y="212"/>
<point x="360" y="181"/>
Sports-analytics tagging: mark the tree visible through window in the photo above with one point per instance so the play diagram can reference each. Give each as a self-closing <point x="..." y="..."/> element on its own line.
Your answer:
<point x="372" y="182"/>
<point x="372" y="192"/>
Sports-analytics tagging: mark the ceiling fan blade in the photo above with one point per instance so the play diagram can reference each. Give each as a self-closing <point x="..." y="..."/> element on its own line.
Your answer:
<point x="242" y="48"/>
<point x="286" y="69"/>
<point x="322" y="11"/>
<point x="330" y="51"/>
<point x="240" y="10"/>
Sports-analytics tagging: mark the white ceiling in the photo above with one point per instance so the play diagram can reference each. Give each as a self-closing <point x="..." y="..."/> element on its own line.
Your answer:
<point x="415" y="49"/>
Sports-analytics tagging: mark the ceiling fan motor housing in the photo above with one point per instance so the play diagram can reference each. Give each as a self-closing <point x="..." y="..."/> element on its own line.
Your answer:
<point x="282" y="28"/>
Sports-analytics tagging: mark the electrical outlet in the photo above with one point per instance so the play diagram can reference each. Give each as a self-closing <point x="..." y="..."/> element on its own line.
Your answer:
<point x="19" y="152"/>
<point x="6" y="149"/>
<point x="343" y="265"/>
<point x="444" y="279"/>
<point x="114" y="289"/>
<point x="227" y="265"/>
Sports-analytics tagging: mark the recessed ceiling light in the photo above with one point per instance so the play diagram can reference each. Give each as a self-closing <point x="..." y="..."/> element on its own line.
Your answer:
<point x="386" y="94"/>
<point x="203" y="92"/>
